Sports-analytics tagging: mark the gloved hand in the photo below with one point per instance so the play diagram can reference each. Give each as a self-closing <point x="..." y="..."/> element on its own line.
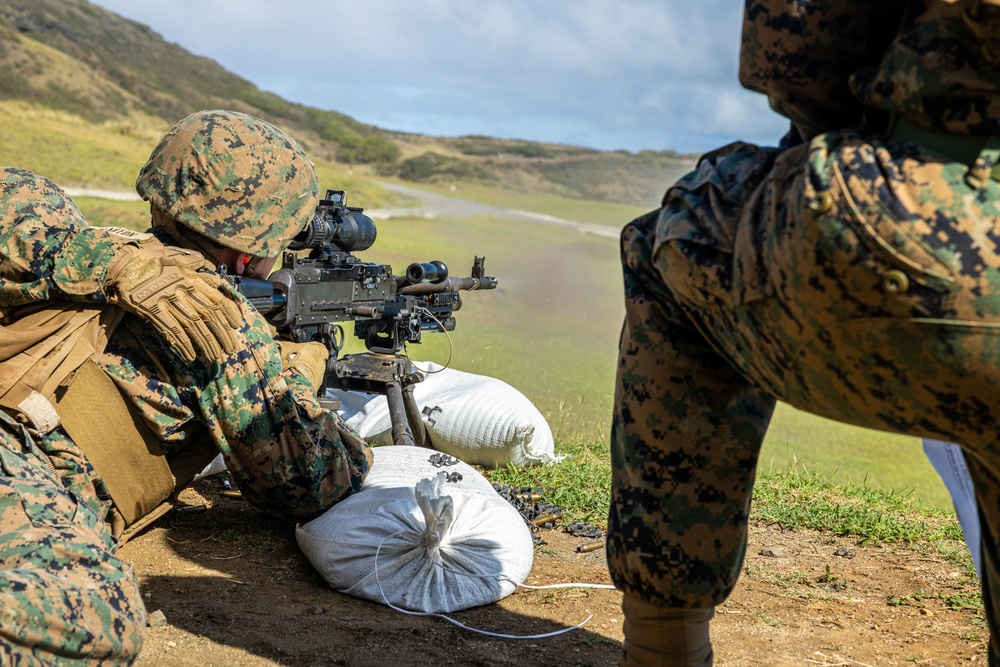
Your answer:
<point x="306" y="359"/>
<point x="194" y="311"/>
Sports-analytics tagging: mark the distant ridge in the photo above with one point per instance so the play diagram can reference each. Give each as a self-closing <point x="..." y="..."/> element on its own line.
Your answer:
<point x="78" y="58"/>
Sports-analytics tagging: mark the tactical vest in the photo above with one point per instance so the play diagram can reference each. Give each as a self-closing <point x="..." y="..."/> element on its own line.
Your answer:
<point x="48" y="379"/>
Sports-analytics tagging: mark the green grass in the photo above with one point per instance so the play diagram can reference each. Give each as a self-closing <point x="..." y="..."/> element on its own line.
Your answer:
<point x="791" y="499"/>
<point x="74" y="152"/>
<point x="804" y="500"/>
<point x="110" y="213"/>
<point x="551" y="327"/>
<point x="551" y="330"/>
<point x="848" y="454"/>
<point x="581" y="483"/>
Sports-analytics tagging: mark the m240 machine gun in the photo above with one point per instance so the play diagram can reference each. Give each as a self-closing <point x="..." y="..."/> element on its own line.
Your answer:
<point x="308" y="297"/>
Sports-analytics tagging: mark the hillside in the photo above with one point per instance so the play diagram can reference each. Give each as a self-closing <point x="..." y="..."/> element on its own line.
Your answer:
<point x="74" y="57"/>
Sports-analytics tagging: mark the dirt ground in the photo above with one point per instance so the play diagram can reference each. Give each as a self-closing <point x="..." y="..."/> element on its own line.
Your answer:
<point x="235" y="590"/>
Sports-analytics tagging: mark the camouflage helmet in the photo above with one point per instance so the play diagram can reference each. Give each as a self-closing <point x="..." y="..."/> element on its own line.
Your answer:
<point x="233" y="178"/>
<point x="27" y="197"/>
<point x="29" y="203"/>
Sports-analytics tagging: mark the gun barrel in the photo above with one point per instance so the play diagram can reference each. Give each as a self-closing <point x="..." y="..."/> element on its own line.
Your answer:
<point x="451" y="285"/>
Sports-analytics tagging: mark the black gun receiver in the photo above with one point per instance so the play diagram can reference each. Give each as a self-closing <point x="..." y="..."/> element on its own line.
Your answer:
<point x="308" y="297"/>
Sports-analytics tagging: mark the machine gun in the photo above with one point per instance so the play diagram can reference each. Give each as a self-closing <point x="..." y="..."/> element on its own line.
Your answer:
<point x="307" y="298"/>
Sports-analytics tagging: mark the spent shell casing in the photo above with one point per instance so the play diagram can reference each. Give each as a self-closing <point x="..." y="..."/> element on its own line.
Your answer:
<point x="232" y="494"/>
<point x="545" y="518"/>
<point x="192" y="508"/>
<point x="587" y="548"/>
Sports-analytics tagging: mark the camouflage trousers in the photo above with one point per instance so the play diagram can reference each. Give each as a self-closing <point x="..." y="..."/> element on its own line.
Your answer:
<point x="854" y="278"/>
<point x="66" y="599"/>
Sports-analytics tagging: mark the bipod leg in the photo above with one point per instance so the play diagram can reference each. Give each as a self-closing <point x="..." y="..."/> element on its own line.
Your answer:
<point x="417" y="427"/>
<point x="401" y="433"/>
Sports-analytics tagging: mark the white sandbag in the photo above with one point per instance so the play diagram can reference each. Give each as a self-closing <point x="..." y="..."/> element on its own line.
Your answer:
<point x="217" y="465"/>
<point x="478" y="419"/>
<point x="441" y="545"/>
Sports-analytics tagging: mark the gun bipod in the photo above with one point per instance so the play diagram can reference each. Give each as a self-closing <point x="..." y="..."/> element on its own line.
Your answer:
<point x="393" y="376"/>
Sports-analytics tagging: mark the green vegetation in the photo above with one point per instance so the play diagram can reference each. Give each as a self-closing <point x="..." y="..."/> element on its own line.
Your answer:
<point x="848" y="454"/>
<point x="489" y="147"/>
<point x="75" y="152"/>
<point x="551" y="330"/>
<point x="617" y="177"/>
<point x="958" y="601"/>
<point x="431" y="166"/>
<point x="581" y="483"/>
<point x="803" y="500"/>
<point x="109" y="213"/>
<point x="791" y="499"/>
<point x="354" y="148"/>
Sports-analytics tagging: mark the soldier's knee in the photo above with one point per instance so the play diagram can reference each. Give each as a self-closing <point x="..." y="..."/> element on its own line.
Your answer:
<point x="46" y="617"/>
<point x="128" y="629"/>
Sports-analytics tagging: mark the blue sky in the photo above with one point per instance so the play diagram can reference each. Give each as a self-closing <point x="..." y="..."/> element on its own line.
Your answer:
<point x="610" y="74"/>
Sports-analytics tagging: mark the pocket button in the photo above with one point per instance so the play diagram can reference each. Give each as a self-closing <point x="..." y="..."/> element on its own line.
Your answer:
<point x="895" y="281"/>
<point x="822" y="203"/>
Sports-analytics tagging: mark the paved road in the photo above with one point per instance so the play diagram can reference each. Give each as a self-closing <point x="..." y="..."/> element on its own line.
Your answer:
<point x="431" y="205"/>
<point x="435" y="205"/>
<point x="117" y="195"/>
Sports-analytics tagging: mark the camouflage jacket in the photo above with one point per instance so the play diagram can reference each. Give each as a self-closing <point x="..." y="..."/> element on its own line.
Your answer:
<point x="827" y="64"/>
<point x="288" y="454"/>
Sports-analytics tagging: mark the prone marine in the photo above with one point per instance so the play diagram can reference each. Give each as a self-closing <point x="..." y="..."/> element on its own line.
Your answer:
<point x="140" y="329"/>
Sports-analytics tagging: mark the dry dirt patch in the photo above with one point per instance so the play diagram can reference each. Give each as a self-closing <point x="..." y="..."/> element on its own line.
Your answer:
<point x="235" y="590"/>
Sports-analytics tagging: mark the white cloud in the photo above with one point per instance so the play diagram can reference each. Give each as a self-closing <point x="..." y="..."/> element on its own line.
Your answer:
<point x="607" y="73"/>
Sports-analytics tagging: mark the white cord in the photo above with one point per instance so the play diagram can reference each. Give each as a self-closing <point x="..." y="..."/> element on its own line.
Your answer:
<point x="440" y="564"/>
<point x="575" y="584"/>
<point x="451" y="343"/>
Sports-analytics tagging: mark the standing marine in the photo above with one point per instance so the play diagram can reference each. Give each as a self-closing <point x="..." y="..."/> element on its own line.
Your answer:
<point x="852" y="272"/>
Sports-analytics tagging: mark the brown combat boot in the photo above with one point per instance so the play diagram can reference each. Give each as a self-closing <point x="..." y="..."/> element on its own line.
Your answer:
<point x="658" y="636"/>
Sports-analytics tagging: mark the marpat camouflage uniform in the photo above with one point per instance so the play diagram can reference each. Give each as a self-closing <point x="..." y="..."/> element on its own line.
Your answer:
<point x="288" y="455"/>
<point x="853" y="276"/>
<point x="67" y="599"/>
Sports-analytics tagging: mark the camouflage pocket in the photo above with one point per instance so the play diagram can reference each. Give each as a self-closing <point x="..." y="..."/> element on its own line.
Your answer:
<point x="884" y="200"/>
<point x="41" y="497"/>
